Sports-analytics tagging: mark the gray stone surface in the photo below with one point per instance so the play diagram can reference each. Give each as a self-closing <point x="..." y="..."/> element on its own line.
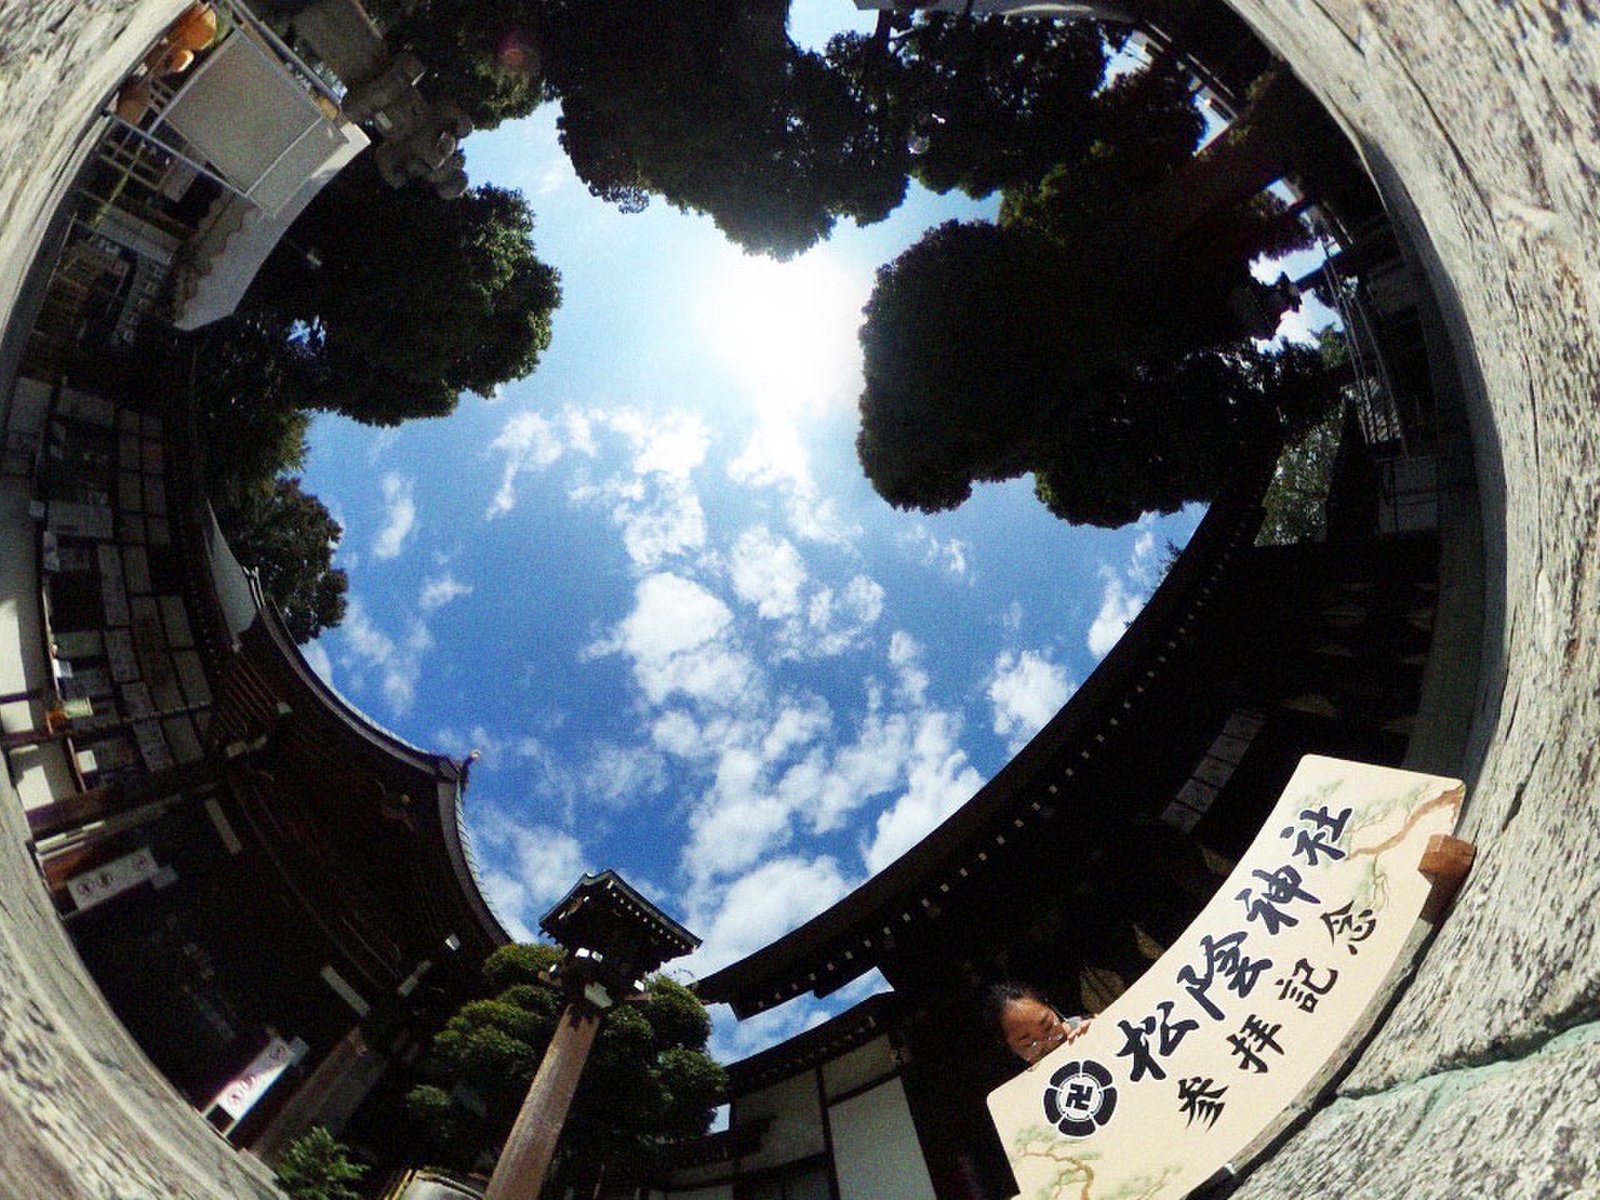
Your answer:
<point x="83" y="1114"/>
<point x="1514" y="1131"/>
<point x="1481" y="122"/>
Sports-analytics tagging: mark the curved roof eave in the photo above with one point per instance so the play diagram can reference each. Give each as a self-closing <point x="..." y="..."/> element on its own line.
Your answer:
<point x="841" y="943"/>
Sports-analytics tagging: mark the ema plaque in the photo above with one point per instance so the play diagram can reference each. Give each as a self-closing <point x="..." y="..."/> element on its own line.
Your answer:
<point x="1242" y="1014"/>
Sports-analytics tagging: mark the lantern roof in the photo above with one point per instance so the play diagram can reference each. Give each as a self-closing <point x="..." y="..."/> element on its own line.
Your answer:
<point x="604" y="917"/>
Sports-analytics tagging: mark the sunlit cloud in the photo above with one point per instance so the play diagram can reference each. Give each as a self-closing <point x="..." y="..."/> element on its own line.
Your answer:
<point x="948" y="556"/>
<point x="653" y="502"/>
<point x="776" y="458"/>
<point x="529" y="442"/>
<point x="1118" y="608"/>
<point x="440" y="590"/>
<point x="399" y="516"/>
<point x="622" y="776"/>
<point x="767" y="573"/>
<point x="762" y="906"/>
<point x="317" y="659"/>
<point x="674" y="639"/>
<point x="939" y="780"/>
<point x="533" y="865"/>
<point x="1123" y="593"/>
<point x="905" y="656"/>
<point x="1026" y="690"/>
<point x="397" y="662"/>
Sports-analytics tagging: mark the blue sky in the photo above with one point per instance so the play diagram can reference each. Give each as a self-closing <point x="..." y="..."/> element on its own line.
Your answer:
<point x="651" y="586"/>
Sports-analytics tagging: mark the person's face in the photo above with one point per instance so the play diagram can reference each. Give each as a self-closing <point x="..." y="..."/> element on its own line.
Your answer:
<point x="1032" y="1028"/>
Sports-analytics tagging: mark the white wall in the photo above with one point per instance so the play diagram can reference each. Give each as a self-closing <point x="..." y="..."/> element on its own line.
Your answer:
<point x="876" y="1153"/>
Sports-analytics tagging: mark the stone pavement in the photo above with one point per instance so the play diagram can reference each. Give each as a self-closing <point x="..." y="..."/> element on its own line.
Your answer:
<point x="83" y="1114"/>
<point x="1480" y="120"/>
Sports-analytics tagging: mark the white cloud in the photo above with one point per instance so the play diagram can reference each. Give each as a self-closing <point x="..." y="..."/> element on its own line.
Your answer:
<point x="738" y="821"/>
<point x="672" y="444"/>
<point x="1118" y="608"/>
<point x="529" y="442"/>
<point x="837" y="621"/>
<point x="623" y="775"/>
<point x="905" y="656"/>
<point x="493" y="751"/>
<point x="1026" y="689"/>
<point x="535" y="866"/>
<point x="775" y="457"/>
<point x="397" y="662"/>
<point x="399" y="516"/>
<point x="768" y="573"/>
<point x="1124" y="593"/>
<point x="675" y="640"/>
<point x="440" y="590"/>
<point x="653" y="502"/>
<point x="761" y="906"/>
<point x="317" y="659"/>
<point x="1141" y="567"/>
<point x="939" y="781"/>
<point x="948" y="556"/>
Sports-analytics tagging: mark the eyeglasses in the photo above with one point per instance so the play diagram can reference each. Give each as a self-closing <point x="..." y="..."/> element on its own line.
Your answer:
<point x="1035" y="1047"/>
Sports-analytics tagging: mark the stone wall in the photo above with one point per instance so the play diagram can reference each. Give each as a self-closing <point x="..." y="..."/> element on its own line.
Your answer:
<point x="1481" y="123"/>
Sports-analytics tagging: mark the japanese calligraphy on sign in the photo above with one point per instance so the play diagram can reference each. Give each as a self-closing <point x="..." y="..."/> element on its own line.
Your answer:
<point x="1195" y="1060"/>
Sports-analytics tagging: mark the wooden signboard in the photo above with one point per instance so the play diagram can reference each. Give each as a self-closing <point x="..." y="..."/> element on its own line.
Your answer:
<point x="1193" y="1062"/>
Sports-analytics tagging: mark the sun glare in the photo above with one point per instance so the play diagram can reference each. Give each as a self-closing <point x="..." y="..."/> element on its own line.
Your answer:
<point x="787" y="331"/>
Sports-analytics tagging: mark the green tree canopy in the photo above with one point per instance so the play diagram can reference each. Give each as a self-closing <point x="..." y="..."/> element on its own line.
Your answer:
<point x="988" y="102"/>
<point x="648" y="1078"/>
<point x="317" y="1167"/>
<point x="481" y="57"/>
<point x="712" y="107"/>
<point x="417" y="299"/>
<point x="289" y="536"/>
<point x="1099" y="335"/>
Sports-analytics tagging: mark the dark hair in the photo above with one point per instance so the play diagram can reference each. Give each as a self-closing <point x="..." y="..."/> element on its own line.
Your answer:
<point x="998" y="995"/>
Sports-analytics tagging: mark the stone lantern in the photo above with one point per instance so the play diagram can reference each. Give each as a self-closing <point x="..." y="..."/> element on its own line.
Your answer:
<point x="613" y="937"/>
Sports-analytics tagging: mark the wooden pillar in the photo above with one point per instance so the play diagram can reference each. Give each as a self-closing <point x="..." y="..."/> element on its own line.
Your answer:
<point x="525" y="1160"/>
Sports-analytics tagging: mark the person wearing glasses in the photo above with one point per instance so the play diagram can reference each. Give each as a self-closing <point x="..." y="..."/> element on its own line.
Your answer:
<point x="1030" y="1027"/>
<point x="1026" y="1023"/>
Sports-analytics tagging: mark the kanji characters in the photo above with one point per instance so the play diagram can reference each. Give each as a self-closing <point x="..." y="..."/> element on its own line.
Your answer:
<point x="1354" y="927"/>
<point x="1167" y="1032"/>
<point x="1199" y="1097"/>
<point x="1303" y="988"/>
<point x="1319" y="840"/>
<point x="1224" y="956"/>
<point x="1253" y="1040"/>
<point x="1280" y="887"/>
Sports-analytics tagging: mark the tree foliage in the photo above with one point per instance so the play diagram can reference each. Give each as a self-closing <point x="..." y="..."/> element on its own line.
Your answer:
<point x="986" y="103"/>
<point x="417" y="298"/>
<point x="648" y="1078"/>
<point x="1093" y="337"/>
<point x="480" y="57"/>
<point x="1295" y="504"/>
<point x="712" y="107"/>
<point x="317" y="1167"/>
<point x="288" y="535"/>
